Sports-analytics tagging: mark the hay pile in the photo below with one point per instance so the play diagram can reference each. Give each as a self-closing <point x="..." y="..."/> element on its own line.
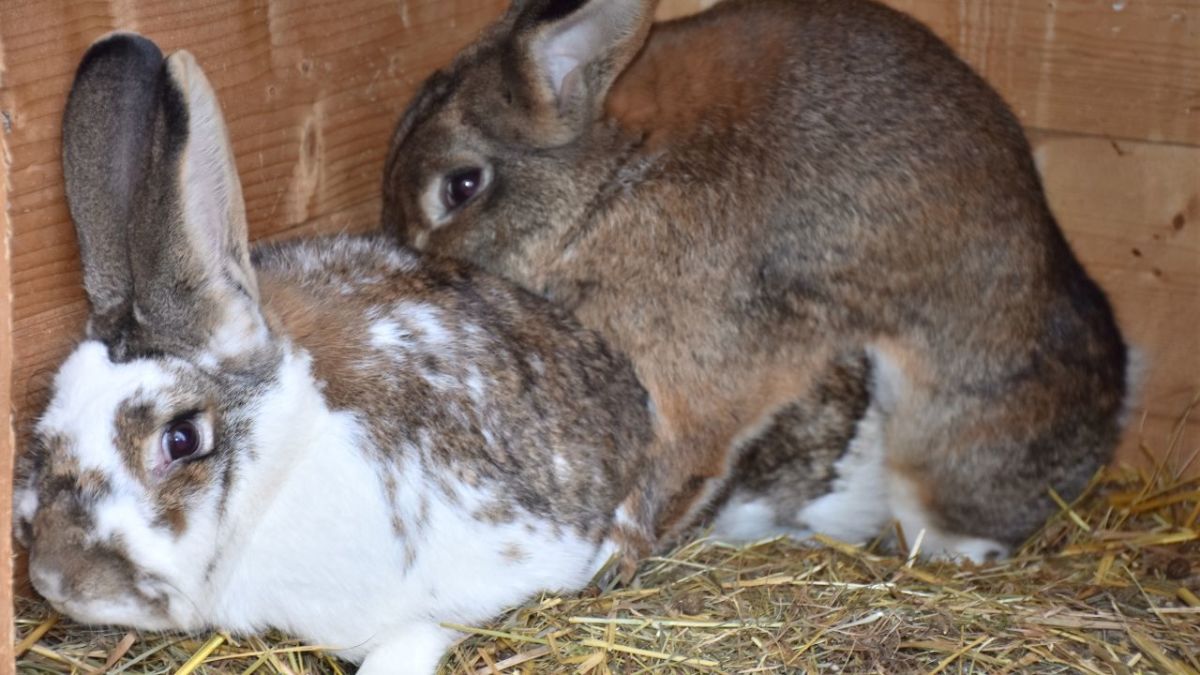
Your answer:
<point x="1109" y="586"/>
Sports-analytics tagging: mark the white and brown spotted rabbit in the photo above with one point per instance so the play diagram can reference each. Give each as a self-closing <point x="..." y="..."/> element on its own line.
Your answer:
<point x="332" y="437"/>
<point x="820" y="237"/>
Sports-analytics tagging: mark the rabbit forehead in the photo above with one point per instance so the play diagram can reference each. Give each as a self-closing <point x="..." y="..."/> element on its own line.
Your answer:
<point x="89" y="392"/>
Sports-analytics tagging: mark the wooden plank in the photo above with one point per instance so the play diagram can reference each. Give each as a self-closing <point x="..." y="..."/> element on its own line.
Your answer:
<point x="1132" y="212"/>
<point x="7" y="438"/>
<point x="1121" y="68"/>
<point x="310" y="90"/>
<point x="672" y="9"/>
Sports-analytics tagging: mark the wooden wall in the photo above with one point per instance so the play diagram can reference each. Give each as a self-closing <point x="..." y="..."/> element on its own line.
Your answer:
<point x="1110" y="93"/>
<point x="7" y="440"/>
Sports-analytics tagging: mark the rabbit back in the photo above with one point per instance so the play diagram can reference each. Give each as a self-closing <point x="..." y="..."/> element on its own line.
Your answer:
<point x="749" y="196"/>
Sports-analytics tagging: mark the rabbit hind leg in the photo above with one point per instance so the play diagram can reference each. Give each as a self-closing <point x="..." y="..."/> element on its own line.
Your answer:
<point x="816" y="468"/>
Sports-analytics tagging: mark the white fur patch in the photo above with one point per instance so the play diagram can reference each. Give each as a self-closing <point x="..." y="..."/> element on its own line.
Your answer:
<point x="1136" y="365"/>
<point x="418" y="646"/>
<point x="747" y="518"/>
<point x="562" y="468"/>
<point x="856" y="509"/>
<point x="48" y="582"/>
<point x="476" y="386"/>
<point x="88" y="390"/>
<point x="420" y="241"/>
<point x="622" y="518"/>
<point x="127" y="517"/>
<point x="25" y="503"/>
<point x="386" y="335"/>
<point x="402" y="260"/>
<point x="427" y="320"/>
<point x="240" y="330"/>
<point x="369" y="587"/>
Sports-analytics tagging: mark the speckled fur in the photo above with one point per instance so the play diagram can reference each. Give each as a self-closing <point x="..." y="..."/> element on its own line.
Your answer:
<point x="410" y="441"/>
<point x="548" y="387"/>
<point x="765" y="187"/>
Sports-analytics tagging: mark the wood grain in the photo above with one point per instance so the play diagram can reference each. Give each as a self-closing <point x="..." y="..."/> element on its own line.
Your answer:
<point x="7" y="441"/>
<point x="672" y="9"/>
<point x="1120" y="68"/>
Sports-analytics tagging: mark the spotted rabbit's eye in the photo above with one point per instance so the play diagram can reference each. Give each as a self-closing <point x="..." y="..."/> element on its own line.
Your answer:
<point x="181" y="439"/>
<point x="461" y="186"/>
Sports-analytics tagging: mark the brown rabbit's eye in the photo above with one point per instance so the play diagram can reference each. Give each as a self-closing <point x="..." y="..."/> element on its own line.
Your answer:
<point x="461" y="186"/>
<point x="181" y="439"/>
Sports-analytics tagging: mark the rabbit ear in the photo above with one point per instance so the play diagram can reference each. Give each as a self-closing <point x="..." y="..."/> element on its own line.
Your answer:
<point x="107" y="130"/>
<point x="188" y="247"/>
<point x="164" y="239"/>
<point x="571" y="51"/>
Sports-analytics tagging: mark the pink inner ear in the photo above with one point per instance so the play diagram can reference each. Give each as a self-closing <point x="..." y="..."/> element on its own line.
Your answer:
<point x="213" y="210"/>
<point x="570" y="86"/>
<point x="560" y="67"/>
<point x="597" y="31"/>
<point x="206" y="185"/>
<point x="566" y="49"/>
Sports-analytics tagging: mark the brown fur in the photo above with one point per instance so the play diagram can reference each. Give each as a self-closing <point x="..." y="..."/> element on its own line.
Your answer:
<point x="774" y="184"/>
<point x="526" y="352"/>
<point x="137" y="426"/>
<point x="683" y="79"/>
<point x="333" y="328"/>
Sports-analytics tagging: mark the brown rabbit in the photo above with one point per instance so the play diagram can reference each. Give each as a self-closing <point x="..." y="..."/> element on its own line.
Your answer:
<point x="818" y="234"/>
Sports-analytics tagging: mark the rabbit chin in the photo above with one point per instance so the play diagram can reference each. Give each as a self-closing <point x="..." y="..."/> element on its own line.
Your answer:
<point x="124" y="611"/>
<point x="119" y="605"/>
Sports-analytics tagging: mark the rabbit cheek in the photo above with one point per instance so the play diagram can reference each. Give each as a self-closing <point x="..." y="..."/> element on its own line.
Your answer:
<point x="176" y="491"/>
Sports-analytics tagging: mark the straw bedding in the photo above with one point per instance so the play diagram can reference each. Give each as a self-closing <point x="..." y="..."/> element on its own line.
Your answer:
<point x="1110" y="585"/>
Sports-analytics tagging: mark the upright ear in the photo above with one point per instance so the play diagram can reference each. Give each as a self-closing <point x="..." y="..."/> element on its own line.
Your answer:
<point x="107" y="131"/>
<point x="569" y="52"/>
<point x="165" y="237"/>
<point x="194" y="284"/>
